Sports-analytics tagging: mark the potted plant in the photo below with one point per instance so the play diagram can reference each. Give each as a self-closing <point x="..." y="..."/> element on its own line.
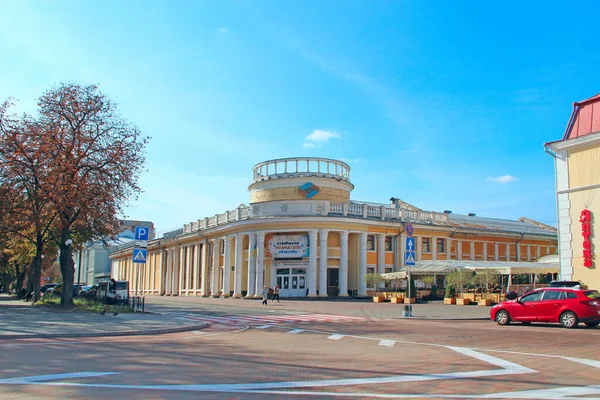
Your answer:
<point x="413" y="291"/>
<point x="450" y="294"/>
<point x="373" y="280"/>
<point x="485" y="278"/>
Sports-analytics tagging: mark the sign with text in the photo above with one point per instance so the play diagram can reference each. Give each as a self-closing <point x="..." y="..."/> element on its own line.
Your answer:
<point x="287" y="246"/>
<point x="586" y="230"/>
<point x="142" y="233"/>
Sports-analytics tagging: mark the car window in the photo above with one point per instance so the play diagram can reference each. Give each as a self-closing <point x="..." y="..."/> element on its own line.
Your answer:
<point x="571" y="295"/>
<point x="531" y="297"/>
<point x="563" y="296"/>
<point x="551" y="295"/>
<point x="121" y="285"/>
<point x="592" y="294"/>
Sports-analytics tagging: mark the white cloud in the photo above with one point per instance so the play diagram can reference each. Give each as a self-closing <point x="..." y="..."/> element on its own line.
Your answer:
<point x="308" y="145"/>
<point x="319" y="135"/>
<point x="502" y="179"/>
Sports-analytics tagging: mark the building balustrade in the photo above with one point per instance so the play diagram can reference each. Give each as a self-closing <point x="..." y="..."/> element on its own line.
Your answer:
<point x="300" y="167"/>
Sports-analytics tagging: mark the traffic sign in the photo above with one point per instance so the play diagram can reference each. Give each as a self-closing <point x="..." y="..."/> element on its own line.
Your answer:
<point x="142" y="233"/>
<point x="409" y="258"/>
<point x="409" y="228"/>
<point x="139" y="255"/>
<point x="410" y="244"/>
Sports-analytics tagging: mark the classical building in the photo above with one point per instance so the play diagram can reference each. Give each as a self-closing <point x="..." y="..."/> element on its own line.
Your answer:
<point x="303" y="232"/>
<point x="577" y="170"/>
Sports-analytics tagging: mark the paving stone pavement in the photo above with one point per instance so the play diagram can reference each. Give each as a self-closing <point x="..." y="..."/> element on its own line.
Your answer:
<point x="22" y="320"/>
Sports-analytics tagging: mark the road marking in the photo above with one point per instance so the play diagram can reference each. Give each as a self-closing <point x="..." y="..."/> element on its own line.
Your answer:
<point x="294" y="331"/>
<point x="264" y="326"/>
<point x="52" y="377"/>
<point x="335" y="337"/>
<point x="388" y="343"/>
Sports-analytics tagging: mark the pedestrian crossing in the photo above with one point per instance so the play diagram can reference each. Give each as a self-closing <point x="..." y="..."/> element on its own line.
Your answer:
<point x="265" y="321"/>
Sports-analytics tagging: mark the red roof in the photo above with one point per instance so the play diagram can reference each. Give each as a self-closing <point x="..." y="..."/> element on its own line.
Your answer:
<point x="585" y="118"/>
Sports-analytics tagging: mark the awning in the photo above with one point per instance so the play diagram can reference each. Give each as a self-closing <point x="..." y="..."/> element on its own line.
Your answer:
<point x="389" y="276"/>
<point x="503" y="267"/>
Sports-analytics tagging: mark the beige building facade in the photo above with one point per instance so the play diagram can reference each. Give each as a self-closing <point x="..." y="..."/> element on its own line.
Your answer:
<point x="577" y="172"/>
<point x="303" y="232"/>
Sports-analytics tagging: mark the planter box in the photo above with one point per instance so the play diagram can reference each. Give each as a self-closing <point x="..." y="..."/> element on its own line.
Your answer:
<point x="449" y="300"/>
<point x="463" y="302"/>
<point x="378" y="299"/>
<point x="484" y="302"/>
<point x="412" y="300"/>
<point x="397" y="300"/>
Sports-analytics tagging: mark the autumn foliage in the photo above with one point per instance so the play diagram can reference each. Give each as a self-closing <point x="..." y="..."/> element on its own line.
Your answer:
<point x="68" y="172"/>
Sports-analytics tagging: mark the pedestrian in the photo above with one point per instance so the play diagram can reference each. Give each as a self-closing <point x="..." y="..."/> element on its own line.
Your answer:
<point x="275" y="293"/>
<point x="110" y="298"/>
<point x="265" y="295"/>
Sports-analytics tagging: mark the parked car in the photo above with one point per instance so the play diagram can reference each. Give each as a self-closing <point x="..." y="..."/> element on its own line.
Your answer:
<point x="47" y="286"/>
<point x="572" y="284"/>
<point x="567" y="306"/>
<point x="122" y="291"/>
<point x="84" y="290"/>
<point x="57" y="290"/>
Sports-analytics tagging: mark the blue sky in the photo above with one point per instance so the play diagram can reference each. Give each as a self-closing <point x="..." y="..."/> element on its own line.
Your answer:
<point x="444" y="104"/>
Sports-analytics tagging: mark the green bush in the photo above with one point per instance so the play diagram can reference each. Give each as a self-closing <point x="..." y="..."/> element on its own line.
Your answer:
<point x="450" y="291"/>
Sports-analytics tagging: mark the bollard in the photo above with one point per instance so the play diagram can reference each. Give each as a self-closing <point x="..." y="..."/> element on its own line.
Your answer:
<point x="407" y="310"/>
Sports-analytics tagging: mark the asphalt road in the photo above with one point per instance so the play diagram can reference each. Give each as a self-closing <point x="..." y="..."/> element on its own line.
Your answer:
<point x="249" y="353"/>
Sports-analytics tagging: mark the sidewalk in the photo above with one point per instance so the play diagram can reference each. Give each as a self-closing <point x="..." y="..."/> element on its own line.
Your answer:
<point x="21" y="320"/>
<point x="435" y="310"/>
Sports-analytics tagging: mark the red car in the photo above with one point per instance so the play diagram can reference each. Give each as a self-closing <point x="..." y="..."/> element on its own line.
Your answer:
<point x="557" y="304"/>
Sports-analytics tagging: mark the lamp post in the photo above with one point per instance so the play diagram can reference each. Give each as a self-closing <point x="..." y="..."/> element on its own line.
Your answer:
<point x="79" y="272"/>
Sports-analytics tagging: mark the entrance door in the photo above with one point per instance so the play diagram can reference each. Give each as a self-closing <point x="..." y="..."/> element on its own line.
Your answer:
<point x="292" y="282"/>
<point x="333" y="275"/>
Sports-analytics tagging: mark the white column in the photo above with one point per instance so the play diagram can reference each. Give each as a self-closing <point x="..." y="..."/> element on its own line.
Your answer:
<point x="485" y="251"/>
<point x="380" y="256"/>
<point x="188" y="268"/>
<point x="343" y="278"/>
<point x="251" y="265"/>
<point x="260" y="263"/>
<point x="239" y="256"/>
<point x="459" y="252"/>
<point x="175" y="281"/>
<point x="362" y="264"/>
<point x="226" y="267"/>
<point x="161" y="270"/>
<point x="419" y="247"/>
<point x="323" y="263"/>
<point x="204" y="269"/>
<point x="507" y="251"/>
<point x="472" y="250"/>
<point x="434" y="248"/>
<point x="312" y="263"/>
<point x="214" y="284"/>
<point x="169" y="274"/>
<point x="496" y="252"/>
<point x="448" y="242"/>
<point x="528" y="252"/>
<point x="196" y="266"/>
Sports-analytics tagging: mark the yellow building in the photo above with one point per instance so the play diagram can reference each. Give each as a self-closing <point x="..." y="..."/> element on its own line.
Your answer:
<point x="577" y="170"/>
<point x="303" y="232"/>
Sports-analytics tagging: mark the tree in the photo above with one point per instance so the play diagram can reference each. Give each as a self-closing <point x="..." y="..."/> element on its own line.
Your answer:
<point x="485" y="278"/>
<point x="373" y="279"/>
<point x="96" y="159"/>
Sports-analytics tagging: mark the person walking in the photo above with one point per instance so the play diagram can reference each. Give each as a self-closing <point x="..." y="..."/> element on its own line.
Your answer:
<point x="265" y="295"/>
<point x="111" y="297"/>
<point x="275" y="293"/>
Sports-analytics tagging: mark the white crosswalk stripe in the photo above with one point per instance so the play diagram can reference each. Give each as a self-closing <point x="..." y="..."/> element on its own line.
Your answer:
<point x="264" y="321"/>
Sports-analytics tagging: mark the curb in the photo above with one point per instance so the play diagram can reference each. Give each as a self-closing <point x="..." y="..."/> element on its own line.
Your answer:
<point x="159" y="331"/>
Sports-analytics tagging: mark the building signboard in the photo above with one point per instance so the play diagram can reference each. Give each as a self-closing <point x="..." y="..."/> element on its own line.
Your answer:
<point x="287" y="246"/>
<point x="586" y="230"/>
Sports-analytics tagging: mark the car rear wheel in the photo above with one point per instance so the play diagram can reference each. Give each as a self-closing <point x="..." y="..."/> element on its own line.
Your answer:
<point x="568" y="319"/>
<point x="502" y="317"/>
<point x="592" y="324"/>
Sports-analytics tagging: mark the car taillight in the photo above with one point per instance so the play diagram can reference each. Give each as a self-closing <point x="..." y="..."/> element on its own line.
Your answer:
<point x="591" y="303"/>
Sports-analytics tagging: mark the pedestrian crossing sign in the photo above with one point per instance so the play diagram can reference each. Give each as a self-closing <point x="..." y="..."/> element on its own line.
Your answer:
<point x="139" y="255"/>
<point x="409" y="258"/>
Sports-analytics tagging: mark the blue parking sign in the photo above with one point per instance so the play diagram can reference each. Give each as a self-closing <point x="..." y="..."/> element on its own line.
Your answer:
<point x="142" y="233"/>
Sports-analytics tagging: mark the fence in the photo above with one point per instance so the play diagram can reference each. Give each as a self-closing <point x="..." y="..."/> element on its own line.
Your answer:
<point x="136" y="303"/>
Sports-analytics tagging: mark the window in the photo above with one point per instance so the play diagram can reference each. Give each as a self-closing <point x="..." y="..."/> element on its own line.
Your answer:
<point x="571" y="295"/>
<point x="532" y="297"/>
<point x="370" y="243"/>
<point x="388" y="243"/>
<point x="441" y="245"/>
<point x="592" y="294"/>
<point x="426" y="243"/>
<point x="551" y="295"/>
<point x="222" y="247"/>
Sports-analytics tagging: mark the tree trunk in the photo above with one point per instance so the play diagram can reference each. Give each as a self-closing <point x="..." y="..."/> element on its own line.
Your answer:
<point x="66" y="267"/>
<point x="20" y="276"/>
<point x="37" y="266"/>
